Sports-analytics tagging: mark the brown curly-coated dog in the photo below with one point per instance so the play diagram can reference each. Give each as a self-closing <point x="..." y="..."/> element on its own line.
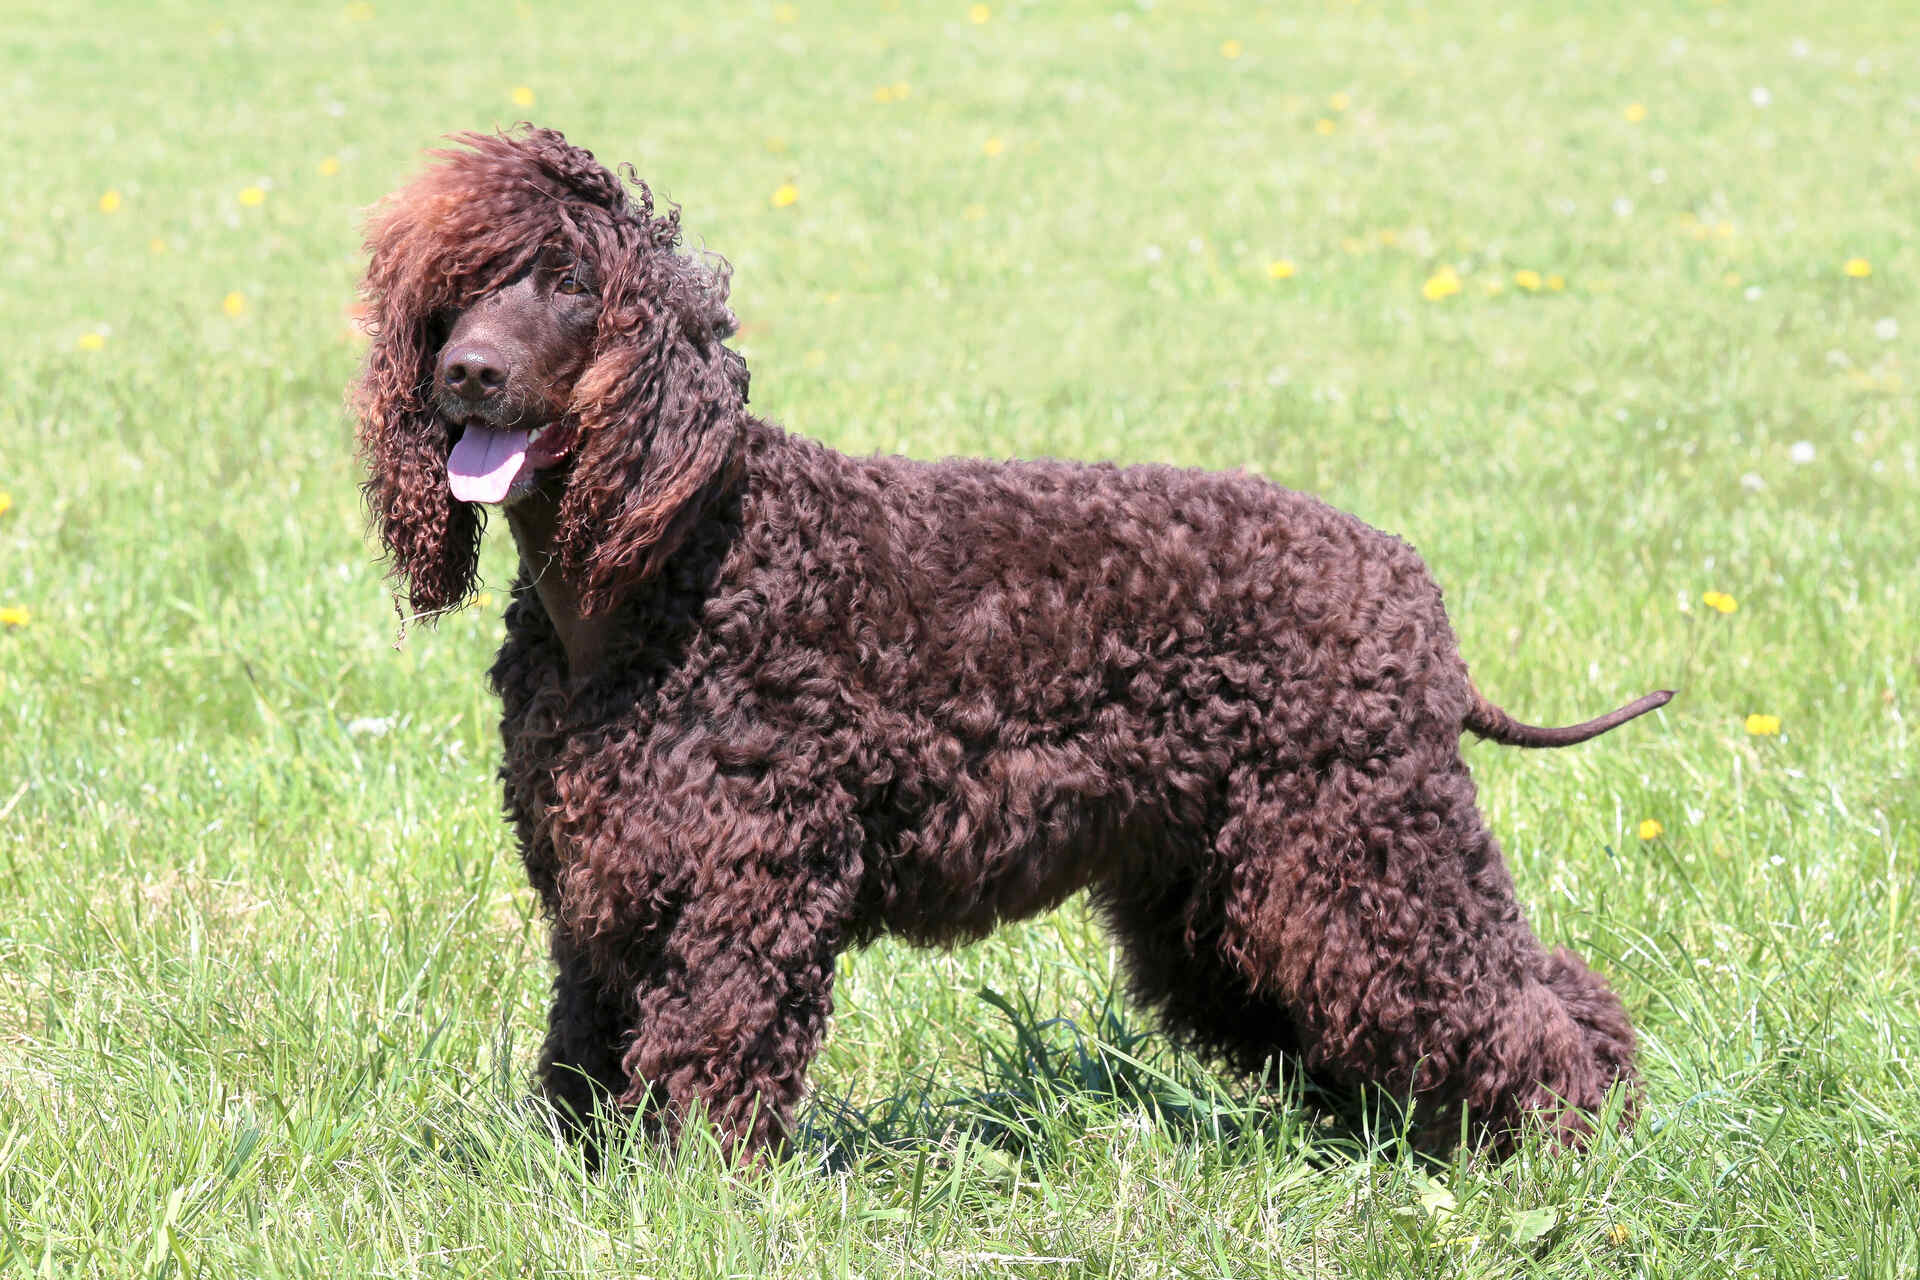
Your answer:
<point x="764" y="702"/>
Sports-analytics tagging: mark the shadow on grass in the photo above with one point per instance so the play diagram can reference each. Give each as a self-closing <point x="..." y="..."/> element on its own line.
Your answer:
<point x="1040" y="1095"/>
<point x="1058" y="1081"/>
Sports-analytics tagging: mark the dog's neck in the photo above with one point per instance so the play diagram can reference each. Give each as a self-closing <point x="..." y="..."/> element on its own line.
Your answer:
<point x="535" y="520"/>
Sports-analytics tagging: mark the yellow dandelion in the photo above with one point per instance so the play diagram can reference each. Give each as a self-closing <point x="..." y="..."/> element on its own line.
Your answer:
<point x="1324" y="126"/>
<point x="1280" y="269"/>
<point x="1617" y="1234"/>
<point x="883" y="94"/>
<point x="1635" y="112"/>
<point x="1340" y="102"/>
<point x="252" y="197"/>
<point x="1556" y="283"/>
<point x="785" y="13"/>
<point x="522" y="96"/>
<point x="93" y="341"/>
<point x="360" y="12"/>
<point x="1527" y="278"/>
<point x="1353" y="244"/>
<point x="110" y="201"/>
<point x="1719" y="602"/>
<point x="1858" y="268"/>
<point x="484" y="599"/>
<point x="1763" y="726"/>
<point x="329" y="165"/>
<point x="6" y="503"/>
<point x="1731" y="279"/>
<point x="978" y="14"/>
<point x="234" y="304"/>
<point x="1650" y="829"/>
<point x="993" y="146"/>
<point x="1388" y="236"/>
<point x="784" y="194"/>
<point x="1443" y="283"/>
<point x="15" y="615"/>
<point x="814" y="359"/>
<point x="1723" y="230"/>
<point x="834" y="297"/>
<point x="157" y="245"/>
<point x="972" y="213"/>
<point x="1493" y="288"/>
<point x="1231" y="49"/>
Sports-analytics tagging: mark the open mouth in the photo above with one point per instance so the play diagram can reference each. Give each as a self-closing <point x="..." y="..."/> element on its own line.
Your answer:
<point x="487" y="461"/>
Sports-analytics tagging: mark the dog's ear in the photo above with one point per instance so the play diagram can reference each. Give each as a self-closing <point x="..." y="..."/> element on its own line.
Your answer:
<point x="432" y="539"/>
<point x="661" y="411"/>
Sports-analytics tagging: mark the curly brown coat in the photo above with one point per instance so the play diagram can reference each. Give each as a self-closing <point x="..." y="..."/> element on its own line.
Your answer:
<point x="822" y="698"/>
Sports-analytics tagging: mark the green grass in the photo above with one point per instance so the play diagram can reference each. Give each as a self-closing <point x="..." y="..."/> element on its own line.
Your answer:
<point x="270" y="980"/>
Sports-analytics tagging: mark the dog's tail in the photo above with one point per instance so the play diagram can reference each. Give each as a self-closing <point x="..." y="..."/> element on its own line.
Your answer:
<point x="1490" y="721"/>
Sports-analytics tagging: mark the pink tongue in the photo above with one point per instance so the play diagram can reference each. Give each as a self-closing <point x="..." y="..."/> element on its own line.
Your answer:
<point x="483" y="464"/>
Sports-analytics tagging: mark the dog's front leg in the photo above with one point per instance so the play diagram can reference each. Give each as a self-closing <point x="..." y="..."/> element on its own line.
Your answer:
<point x="737" y="1010"/>
<point x="580" y="1073"/>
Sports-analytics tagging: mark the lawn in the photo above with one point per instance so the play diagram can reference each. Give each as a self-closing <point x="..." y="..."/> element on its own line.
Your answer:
<point x="1603" y="309"/>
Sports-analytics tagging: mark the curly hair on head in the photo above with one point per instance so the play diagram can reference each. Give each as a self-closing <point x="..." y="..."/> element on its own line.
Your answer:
<point x="475" y="220"/>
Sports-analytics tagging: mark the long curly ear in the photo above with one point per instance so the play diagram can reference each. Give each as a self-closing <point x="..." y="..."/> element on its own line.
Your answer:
<point x="661" y="412"/>
<point x="432" y="539"/>
<point x="423" y="242"/>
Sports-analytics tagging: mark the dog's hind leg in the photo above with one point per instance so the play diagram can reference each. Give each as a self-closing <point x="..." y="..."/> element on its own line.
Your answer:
<point x="1367" y="896"/>
<point x="1169" y="932"/>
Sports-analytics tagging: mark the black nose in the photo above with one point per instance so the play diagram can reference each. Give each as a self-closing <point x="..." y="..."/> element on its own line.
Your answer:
<point x="472" y="370"/>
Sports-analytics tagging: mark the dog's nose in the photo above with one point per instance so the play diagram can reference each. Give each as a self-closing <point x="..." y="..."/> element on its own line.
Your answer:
<point x="472" y="370"/>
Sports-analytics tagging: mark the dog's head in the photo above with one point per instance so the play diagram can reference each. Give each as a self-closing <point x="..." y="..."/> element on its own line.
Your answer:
<point x="536" y="328"/>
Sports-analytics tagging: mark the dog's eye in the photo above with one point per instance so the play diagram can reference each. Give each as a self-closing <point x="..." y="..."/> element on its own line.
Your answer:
<point x="571" y="283"/>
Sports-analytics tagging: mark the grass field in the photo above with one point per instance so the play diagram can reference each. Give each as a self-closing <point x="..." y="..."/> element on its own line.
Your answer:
<point x="1602" y="309"/>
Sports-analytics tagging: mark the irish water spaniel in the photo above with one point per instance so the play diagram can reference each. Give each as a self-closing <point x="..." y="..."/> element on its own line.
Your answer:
<point x="764" y="702"/>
